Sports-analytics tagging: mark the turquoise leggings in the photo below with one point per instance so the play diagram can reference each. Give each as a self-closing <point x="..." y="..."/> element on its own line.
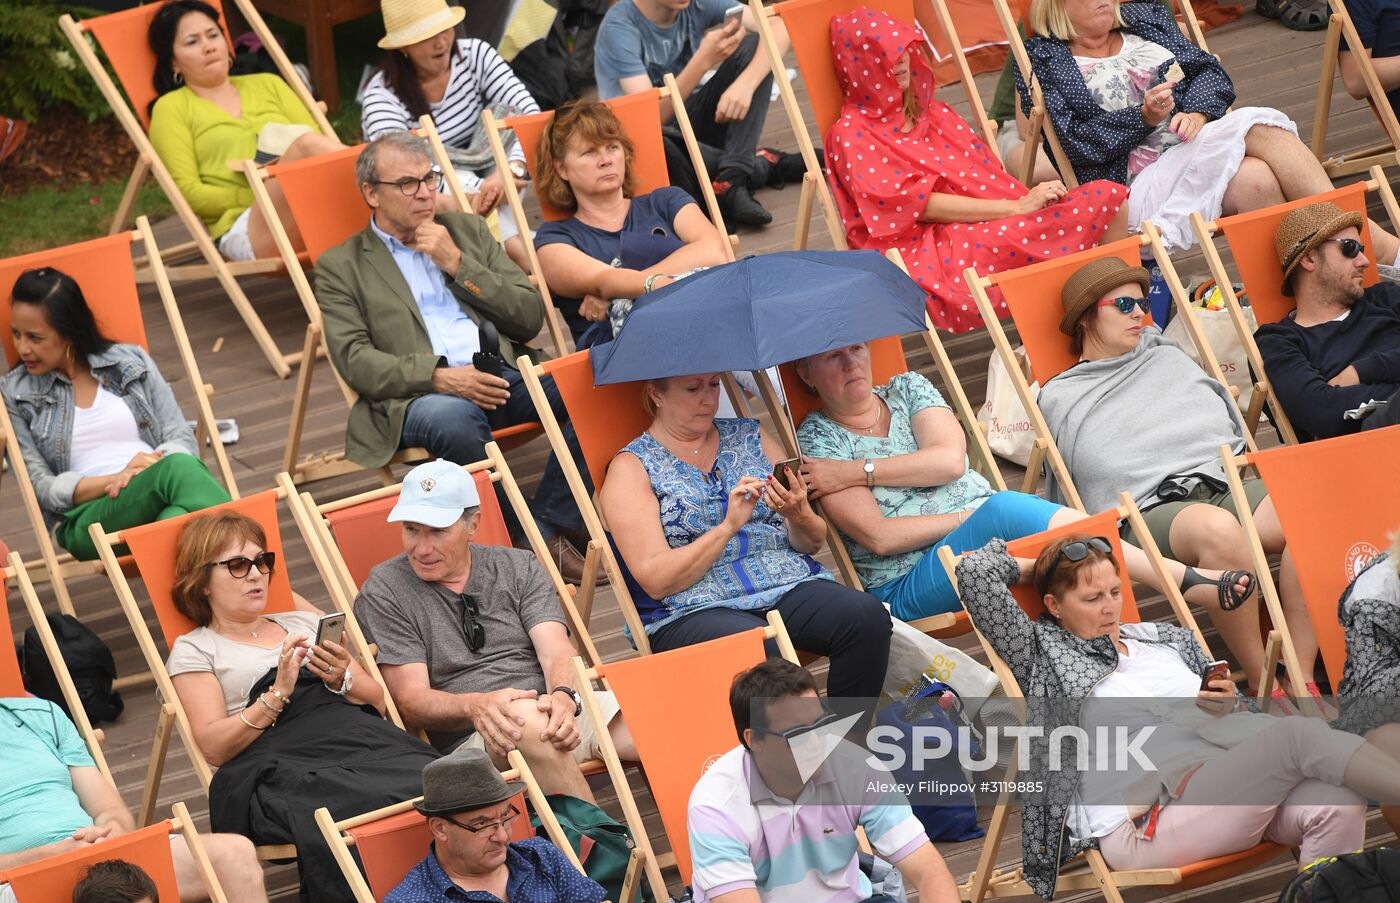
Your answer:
<point x="176" y="484"/>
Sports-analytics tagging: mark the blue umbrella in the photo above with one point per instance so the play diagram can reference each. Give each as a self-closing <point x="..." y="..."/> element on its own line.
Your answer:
<point x="759" y="312"/>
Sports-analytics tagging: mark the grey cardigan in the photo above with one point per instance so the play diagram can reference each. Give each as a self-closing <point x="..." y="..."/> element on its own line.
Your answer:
<point x="1056" y="671"/>
<point x="1129" y="422"/>
<point x="41" y="413"/>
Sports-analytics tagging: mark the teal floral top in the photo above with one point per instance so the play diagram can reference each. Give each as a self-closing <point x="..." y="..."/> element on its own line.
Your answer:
<point x="906" y="395"/>
<point x="758" y="565"/>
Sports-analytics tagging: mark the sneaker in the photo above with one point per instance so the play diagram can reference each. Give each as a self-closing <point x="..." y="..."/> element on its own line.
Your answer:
<point x="785" y="168"/>
<point x="738" y="206"/>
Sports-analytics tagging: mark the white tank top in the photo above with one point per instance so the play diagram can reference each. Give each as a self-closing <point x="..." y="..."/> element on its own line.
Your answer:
<point x="105" y="437"/>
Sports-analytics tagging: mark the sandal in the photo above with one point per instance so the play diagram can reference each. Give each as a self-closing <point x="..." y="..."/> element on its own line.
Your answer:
<point x="1299" y="15"/>
<point x="1230" y="598"/>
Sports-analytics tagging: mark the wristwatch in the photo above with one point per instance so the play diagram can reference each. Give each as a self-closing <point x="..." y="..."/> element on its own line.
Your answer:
<point x="572" y="694"/>
<point x="869" y="468"/>
<point x="517" y="169"/>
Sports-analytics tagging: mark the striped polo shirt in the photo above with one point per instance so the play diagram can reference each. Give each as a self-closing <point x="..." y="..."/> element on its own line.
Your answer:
<point x="743" y="836"/>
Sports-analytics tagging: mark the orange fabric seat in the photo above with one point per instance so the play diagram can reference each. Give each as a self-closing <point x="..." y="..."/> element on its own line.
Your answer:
<point x="52" y="879"/>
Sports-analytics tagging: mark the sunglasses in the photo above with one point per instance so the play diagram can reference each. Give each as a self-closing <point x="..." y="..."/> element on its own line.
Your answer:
<point x="239" y="566"/>
<point x="1126" y="302"/>
<point x="1350" y="246"/>
<point x="489" y="826"/>
<point x="1074" y="552"/>
<point x="472" y="627"/>
<point x="792" y="733"/>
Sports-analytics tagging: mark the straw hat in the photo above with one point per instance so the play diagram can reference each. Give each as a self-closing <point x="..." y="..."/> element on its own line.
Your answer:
<point x="410" y="21"/>
<point x="1090" y="281"/>
<point x="1303" y="229"/>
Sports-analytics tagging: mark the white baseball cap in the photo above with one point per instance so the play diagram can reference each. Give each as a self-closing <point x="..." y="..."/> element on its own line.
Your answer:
<point x="435" y="494"/>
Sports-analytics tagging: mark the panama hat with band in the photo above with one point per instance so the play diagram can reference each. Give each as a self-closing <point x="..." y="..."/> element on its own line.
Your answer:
<point x="1089" y="283"/>
<point x="1305" y="228"/>
<point x="410" y="21"/>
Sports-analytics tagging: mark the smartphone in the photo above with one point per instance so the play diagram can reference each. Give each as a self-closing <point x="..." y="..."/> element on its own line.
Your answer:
<point x="780" y="470"/>
<point x="1215" y="671"/>
<point x="332" y="628"/>
<point x="732" y="14"/>
<point x="490" y="363"/>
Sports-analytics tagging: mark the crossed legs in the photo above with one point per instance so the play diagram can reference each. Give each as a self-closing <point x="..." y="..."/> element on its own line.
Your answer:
<point x="235" y="864"/>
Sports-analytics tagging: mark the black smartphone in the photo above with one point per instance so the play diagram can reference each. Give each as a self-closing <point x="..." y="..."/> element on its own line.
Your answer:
<point x="331" y="627"/>
<point x="490" y="363"/>
<point x="781" y="468"/>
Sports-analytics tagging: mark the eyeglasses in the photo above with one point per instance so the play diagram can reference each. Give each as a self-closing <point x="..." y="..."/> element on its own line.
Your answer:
<point x="491" y="826"/>
<point x="1126" y="302"/>
<point x="1350" y="246"/>
<point x="1075" y="551"/>
<point x="792" y="733"/>
<point x="472" y="627"/>
<point x="239" y="566"/>
<point x="410" y="186"/>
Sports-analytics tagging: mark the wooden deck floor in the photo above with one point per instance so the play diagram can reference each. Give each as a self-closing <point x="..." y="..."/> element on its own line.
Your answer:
<point x="1271" y="66"/>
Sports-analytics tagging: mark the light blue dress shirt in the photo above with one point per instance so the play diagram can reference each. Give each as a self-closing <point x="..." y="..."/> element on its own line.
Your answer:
<point x="454" y="335"/>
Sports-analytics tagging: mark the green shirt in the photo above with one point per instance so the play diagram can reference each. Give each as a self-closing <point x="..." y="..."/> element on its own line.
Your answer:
<point x="37" y="802"/>
<point x="906" y="395"/>
<point x="196" y="139"/>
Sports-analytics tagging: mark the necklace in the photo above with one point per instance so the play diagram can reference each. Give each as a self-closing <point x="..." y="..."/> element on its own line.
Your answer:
<point x="868" y="430"/>
<point x="251" y="633"/>
<point x="694" y="451"/>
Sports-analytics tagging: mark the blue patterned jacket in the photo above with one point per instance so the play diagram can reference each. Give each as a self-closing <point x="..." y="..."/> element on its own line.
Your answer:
<point x="1096" y="141"/>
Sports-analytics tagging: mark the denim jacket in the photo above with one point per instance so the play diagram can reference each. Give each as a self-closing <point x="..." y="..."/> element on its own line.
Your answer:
<point x="1056" y="671"/>
<point x="41" y="414"/>
<point x="1096" y="141"/>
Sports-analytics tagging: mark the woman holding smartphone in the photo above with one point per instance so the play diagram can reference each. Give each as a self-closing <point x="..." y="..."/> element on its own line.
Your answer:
<point x="292" y="725"/>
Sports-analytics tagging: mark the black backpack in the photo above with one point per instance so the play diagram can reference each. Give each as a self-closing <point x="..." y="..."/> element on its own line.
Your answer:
<point x="89" y="662"/>
<point x="1368" y="876"/>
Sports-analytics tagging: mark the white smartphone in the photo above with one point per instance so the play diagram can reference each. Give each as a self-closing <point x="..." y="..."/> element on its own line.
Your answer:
<point x="331" y="627"/>
<point x="731" y="14"/>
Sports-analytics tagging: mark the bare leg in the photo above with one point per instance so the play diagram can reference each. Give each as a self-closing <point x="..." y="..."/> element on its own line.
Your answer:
<point x="235" y="864"/>
<point x="446" y="203"/>
<point x="309" y="145"/>
<point x="1290" y="591"/>
<point x="1387" y="737"/>
<point x="1118" y="226"/>
<point x="555" y="769"/>
<point x="622" y="739"/>
<point x="259" y="234"/>
<point x="1253" y="187"/>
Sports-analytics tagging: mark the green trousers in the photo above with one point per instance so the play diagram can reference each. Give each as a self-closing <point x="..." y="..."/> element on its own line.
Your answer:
<point x="176" y="484"/>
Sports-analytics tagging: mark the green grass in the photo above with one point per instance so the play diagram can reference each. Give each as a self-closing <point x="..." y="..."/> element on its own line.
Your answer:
<point x="47" y="217"/>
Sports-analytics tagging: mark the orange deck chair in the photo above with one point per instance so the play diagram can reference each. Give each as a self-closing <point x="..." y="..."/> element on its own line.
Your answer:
<point x="122" y="38"/>
<point x="53" y="878"/>
<point x="1090" y="871"/>
<point x="1336" y="518"/>
<point x="640" y="115"/>
<point x="103" y="268"/>
<point x="1250" y="237"/>
<point x="349" y="536"/>
<point x="391" y="841"/>
<point x="675" y="744"/>
<point x="1032" y="294"/>
<point x="325" y="201"/>
<point x="808" y="24"/>
<point x="153" y="548"/>
<point x="1385" y="153"/>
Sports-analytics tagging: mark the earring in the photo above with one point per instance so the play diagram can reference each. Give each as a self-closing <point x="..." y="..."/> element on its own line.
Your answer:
<point x="179" y="79"/>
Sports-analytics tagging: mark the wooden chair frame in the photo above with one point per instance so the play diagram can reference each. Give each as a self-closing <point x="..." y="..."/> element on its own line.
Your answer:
<point x="340" y="839"/>
<point x="814" y="185"/>
<point x="495" y="128"/>
<point x="575" y="602"/>
<point x="1385" y="153"/>
<point x="1045" y="453"/>
<point x="1263" y="392"/>
<point x="148" y="163"/>
<point x="55" y="566"/>
<point x="1090" y="871"/>
<point x="584" y="678"/>
<point x="172" y="712"/>
<point x="1040" y="125"/>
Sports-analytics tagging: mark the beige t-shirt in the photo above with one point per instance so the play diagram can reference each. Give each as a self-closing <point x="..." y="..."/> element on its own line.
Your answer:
<point x="236" y="665"/>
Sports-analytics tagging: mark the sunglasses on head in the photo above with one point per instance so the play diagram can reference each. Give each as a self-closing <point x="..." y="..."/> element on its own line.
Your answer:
<point x="1125" y="304"/>
<point x="472" y="627"/>
<point x="1350" y="246"/>
<point x="239" y="566"/>
<point x="1074" y="552"/>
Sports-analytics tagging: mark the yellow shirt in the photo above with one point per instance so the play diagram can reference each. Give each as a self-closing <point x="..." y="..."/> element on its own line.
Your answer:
<point x="195" y="139"/>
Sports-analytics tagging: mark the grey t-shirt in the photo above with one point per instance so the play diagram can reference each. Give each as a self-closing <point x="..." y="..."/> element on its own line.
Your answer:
<point x="237" y="665"/>
<point x="413" y="621"/>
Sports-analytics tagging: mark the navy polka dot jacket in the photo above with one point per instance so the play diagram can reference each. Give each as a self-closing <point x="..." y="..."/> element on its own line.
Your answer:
<point x="1096" y="141"/>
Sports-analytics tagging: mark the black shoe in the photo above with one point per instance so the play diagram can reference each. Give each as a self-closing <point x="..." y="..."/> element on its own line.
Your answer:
<point x="737" y="204"/>
<point x="785" y="168"/>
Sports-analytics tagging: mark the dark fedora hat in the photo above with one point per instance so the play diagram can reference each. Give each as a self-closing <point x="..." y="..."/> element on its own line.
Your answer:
<point x="461" y="781"/>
